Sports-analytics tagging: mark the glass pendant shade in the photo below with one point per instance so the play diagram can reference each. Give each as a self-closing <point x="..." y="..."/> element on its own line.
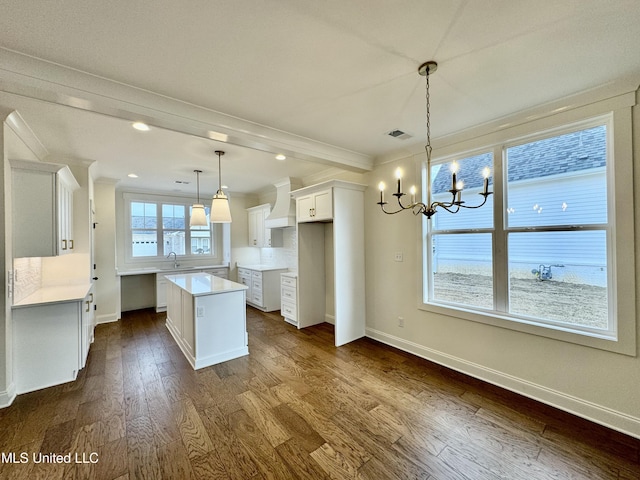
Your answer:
<point x="220" y="211"/>
<point x="198" y="216"/>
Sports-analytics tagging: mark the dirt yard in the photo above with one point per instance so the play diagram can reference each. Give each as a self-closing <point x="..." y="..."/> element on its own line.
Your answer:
<point x="566" y="302"/>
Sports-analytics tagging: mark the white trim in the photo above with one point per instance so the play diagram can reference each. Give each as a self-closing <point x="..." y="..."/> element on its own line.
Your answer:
<point x="599" y="414"/>
<point x="15" y="121"/>
<point x="8" y="396"/>
<point x="57" y="84"/>
<point x="107" y="318"/>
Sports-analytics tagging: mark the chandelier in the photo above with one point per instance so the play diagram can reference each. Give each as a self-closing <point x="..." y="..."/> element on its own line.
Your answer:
<point x="220" y="211"/>
<point x="457" y="185"/>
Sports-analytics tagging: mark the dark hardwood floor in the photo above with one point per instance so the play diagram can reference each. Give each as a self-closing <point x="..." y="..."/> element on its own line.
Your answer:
<point x="296" y="407"/>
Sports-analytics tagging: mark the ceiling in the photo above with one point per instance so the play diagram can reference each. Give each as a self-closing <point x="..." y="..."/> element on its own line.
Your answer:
<point x="332" y="73"/>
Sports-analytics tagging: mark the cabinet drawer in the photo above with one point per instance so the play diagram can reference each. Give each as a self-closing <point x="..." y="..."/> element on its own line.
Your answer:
<point x="244" y="272"/>
<point x="288" y="281"/>
<point x="245" y="280"/>
<point x="256" y="275"/>
<point x="287" y="293"/>
<point x="218" y="272"/>
<point x="256" y="284"/>
<point x="289" y="310"/>
<point x="256" y="297"/>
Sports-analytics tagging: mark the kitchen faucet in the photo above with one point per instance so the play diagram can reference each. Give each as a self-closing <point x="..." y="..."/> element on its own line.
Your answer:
<point x="175" y="259"/>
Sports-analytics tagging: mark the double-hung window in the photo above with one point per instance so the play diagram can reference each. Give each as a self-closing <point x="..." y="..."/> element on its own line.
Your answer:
<point x="158" y="226"/>
<point x="540" y="255"/>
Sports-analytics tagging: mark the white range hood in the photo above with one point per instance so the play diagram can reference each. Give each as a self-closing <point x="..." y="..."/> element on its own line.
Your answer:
<point x="283" y="213"/>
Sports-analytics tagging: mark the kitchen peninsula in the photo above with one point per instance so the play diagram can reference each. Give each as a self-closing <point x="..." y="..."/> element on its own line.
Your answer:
<point x="207" y="318"/>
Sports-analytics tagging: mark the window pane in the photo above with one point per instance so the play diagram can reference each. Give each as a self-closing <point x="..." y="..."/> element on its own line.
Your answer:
<point x="144" y="243"/>
<point x="173" y="216"/>
<point x="470" y="173"/>
<point x="143" y="215"/>
<point x="559" y="180"/>
<point x="559" y="276"/>
<point x="462" y="269"/>
<point x="174" y="242"/>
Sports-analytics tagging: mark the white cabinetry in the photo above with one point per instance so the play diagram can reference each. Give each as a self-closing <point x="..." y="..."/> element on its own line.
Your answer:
<point x="259" y="235"/>
<point x="161" y="282"/>
<point x="331" y="258"/>
<point x="42" y="209"/>
<point x="289" y="298"/>
<point x="88" y="324"/>
<point x="208" y="324"/>
<point x="315" y="206"/>
<point x="46" y="345"/>
<point x="263" y="286"/>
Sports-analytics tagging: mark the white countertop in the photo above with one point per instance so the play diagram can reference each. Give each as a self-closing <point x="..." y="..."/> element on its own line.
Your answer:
<point x="263" y="268"/>
<point x="57" y="294"/>
<point x="166" y="271"/>
<point x="198" y="284"/>
<point x="289" y="274"/>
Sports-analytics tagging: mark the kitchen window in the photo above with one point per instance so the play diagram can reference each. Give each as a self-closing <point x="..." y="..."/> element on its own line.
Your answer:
<point x="541" y="255"/>
<point x="158" y="227"/>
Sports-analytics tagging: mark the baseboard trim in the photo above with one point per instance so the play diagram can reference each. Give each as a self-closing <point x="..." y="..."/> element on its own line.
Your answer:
<point x="8" y="396"/>
<point x="599" y="414"/>
<point x="110" y="318"/>
<point x="330" y="319"/>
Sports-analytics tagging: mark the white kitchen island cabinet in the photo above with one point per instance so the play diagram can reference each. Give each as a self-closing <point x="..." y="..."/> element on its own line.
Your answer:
<point x="206" y="315"/>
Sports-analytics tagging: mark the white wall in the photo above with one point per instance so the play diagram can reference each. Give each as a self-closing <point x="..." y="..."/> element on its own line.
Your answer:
<point x="592" y="383"/>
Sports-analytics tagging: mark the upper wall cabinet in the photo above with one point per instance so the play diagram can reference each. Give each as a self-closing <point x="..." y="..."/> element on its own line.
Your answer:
<point x="315" y="206"/>
<point x="259" y="235"/>
<point x="42" y="210"/>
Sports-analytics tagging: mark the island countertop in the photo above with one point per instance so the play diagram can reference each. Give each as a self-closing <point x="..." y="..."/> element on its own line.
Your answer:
<point x="198" y="284"/>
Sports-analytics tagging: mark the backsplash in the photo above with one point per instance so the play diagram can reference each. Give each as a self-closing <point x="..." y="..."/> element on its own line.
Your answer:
<point x="287" y="255"/>
<point x="27" y="277"/>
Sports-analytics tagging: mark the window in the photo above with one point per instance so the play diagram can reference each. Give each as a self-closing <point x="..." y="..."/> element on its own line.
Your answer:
<point x="158" y="227"/>
<point x="539" y="255"/>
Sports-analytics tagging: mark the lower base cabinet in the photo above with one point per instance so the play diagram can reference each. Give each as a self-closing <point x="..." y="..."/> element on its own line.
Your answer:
<point x="51" y="343"/>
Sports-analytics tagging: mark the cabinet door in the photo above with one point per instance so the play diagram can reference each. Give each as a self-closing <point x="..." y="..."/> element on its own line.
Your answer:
<point x="304" y="209"/>
<point x="323" y="205"/>
<point x="253" y="234"/>
<point x="34" y="214"/>
<point x="174" y="307"/>
<point x="161" y="292"/>
<point x="260" y="228"/>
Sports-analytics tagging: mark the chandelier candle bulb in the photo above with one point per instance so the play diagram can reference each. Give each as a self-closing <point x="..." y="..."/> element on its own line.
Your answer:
<point x="454" y="175"/>
<point x="485" y="173"/>
<point x="412" y="190"/>
<point x="459" y="187"/>
<point x="381" y="187"/>
<point x="399" y="177"/>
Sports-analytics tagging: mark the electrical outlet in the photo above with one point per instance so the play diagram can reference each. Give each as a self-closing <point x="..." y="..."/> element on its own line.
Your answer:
<point x="401" y="321"/>
<point x="200" y="312"/>
<point x="398" y="257"/>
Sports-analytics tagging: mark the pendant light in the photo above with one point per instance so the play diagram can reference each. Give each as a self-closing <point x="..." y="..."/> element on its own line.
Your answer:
<point x="198" y="215"/>
<point x="220" y="212"/>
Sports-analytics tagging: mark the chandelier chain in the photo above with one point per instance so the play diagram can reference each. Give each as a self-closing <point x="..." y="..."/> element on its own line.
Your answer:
<point x="428" y="103"/>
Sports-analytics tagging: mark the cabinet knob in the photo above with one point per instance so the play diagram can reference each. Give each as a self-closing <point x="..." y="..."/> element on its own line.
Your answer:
<point x="64" y="244"/>
<point x="70" y="244"/>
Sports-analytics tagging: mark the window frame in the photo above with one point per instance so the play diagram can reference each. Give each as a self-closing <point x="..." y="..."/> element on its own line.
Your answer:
<point x="621" y="336"/>
<point x="159" y="201"/>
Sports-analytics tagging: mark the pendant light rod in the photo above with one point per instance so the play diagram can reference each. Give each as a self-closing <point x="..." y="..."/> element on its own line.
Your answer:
<point x="198" y="172"/>
<point x="219" y="153"/>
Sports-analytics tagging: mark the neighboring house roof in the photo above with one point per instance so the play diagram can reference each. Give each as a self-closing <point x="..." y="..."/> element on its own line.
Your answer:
<point x="572" y="152"/>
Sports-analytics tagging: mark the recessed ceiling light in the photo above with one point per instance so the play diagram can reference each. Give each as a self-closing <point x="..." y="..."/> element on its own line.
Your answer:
<point x="143" y="127"/>
<point x="132" y="175"/>
<point x="280" y="157"/>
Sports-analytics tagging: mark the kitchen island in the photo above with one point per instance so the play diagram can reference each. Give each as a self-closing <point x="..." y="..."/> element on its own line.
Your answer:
<point x="206" y="316"/>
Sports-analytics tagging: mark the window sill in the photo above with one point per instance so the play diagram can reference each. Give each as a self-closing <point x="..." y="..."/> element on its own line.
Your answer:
<point x="603" y="341"/>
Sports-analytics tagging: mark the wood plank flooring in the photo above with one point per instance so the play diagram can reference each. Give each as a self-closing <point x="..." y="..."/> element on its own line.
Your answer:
<point x="294" y="408"/>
